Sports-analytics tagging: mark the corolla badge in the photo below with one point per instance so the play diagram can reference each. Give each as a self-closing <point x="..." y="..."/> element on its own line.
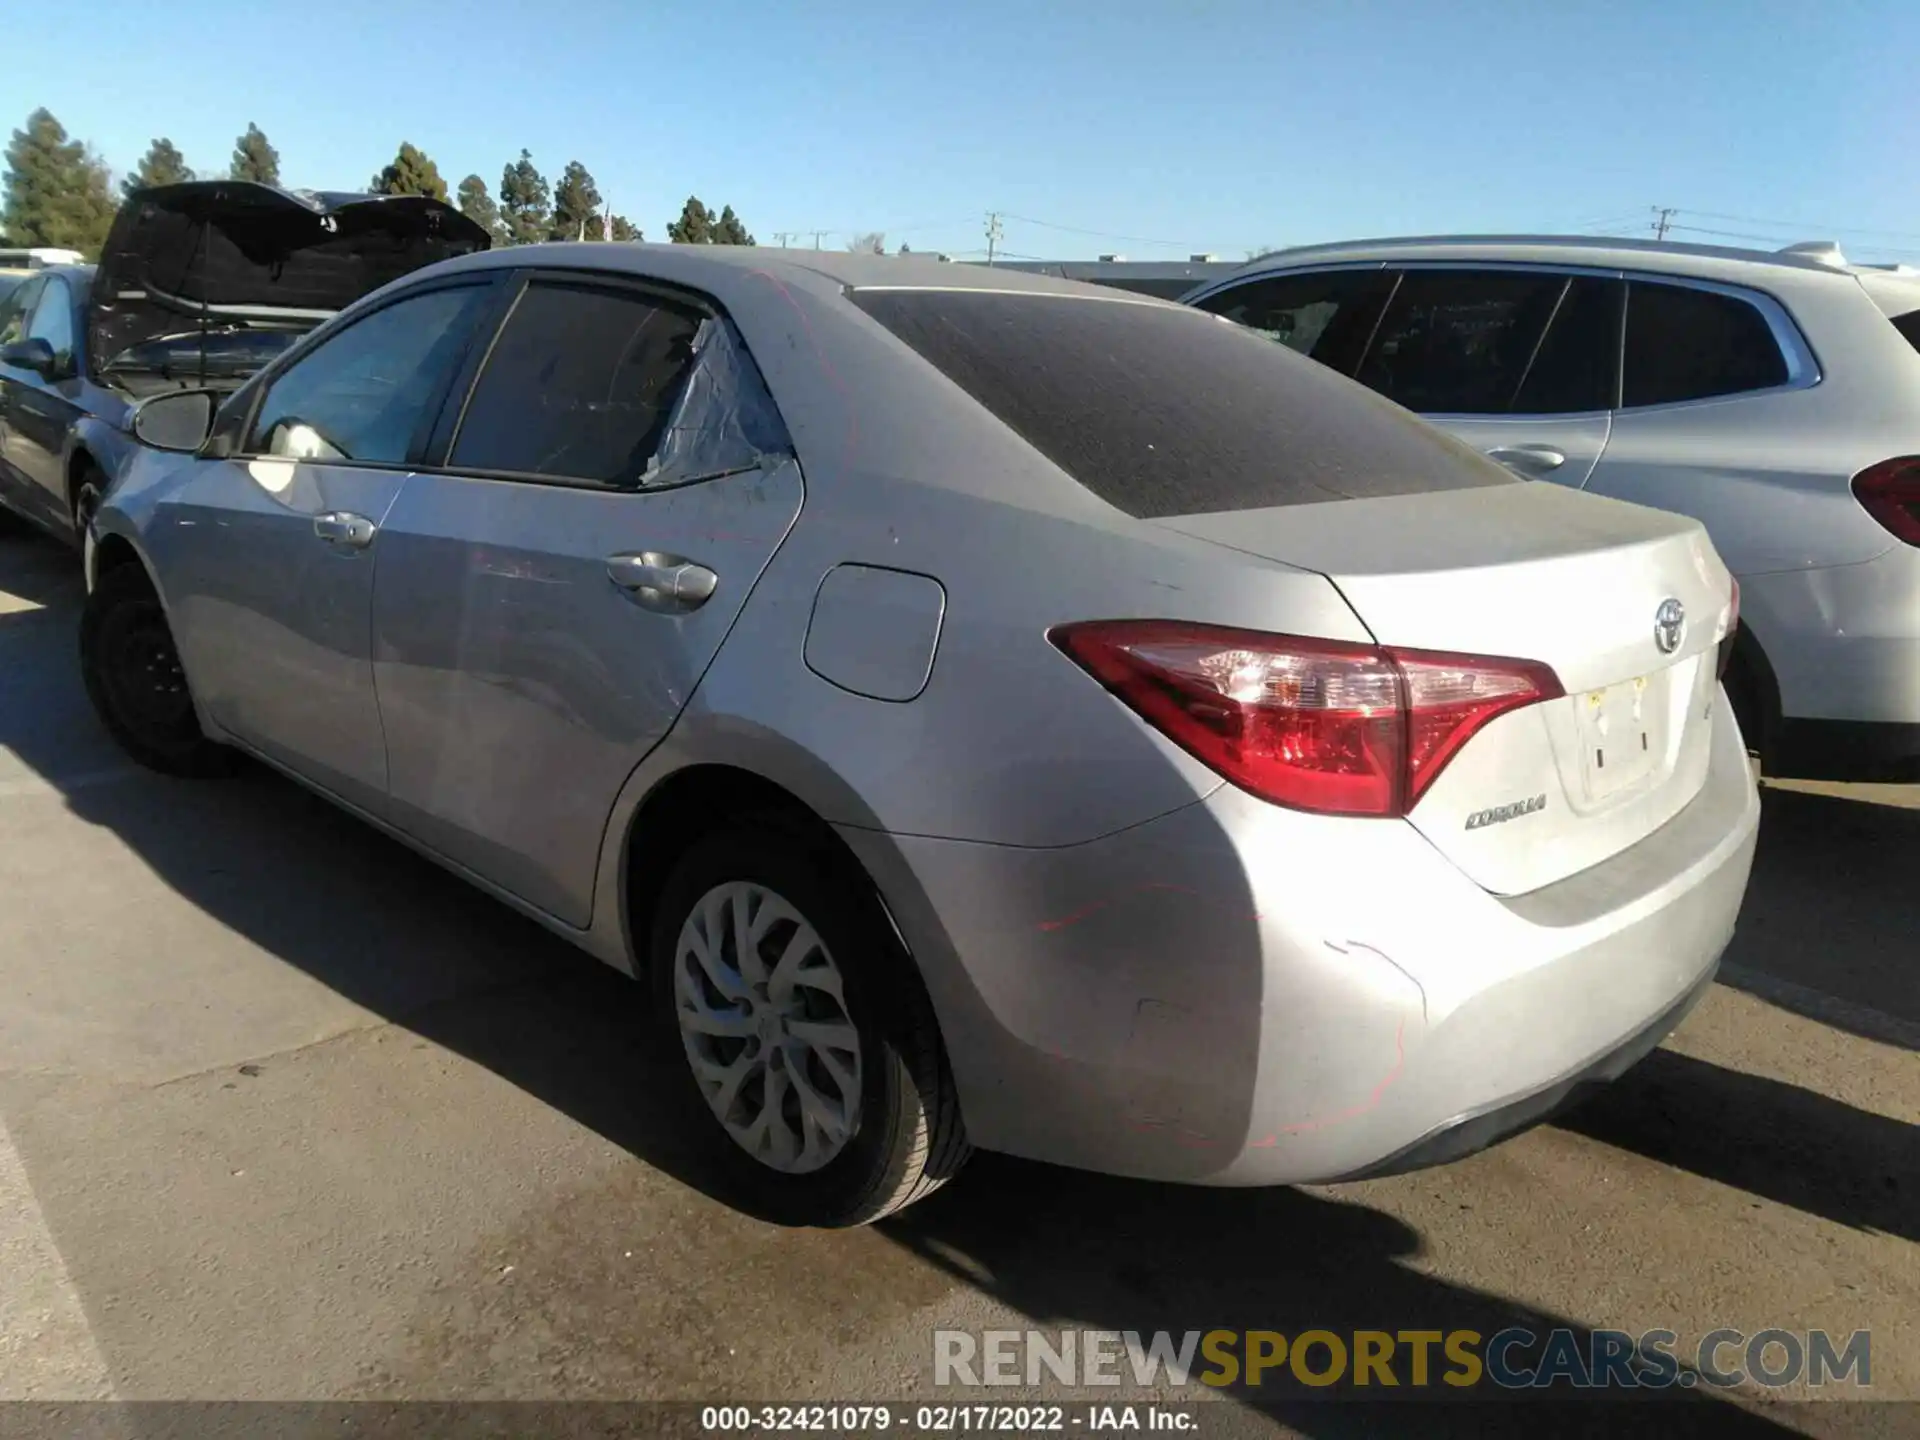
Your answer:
<point x="1669" y="625"/>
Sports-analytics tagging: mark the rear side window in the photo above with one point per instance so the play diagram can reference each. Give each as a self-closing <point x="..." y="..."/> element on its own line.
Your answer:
<point x="1909" y="327"/>
<point x="1326" y="316"/>
<point x="1164" y="410"/>
<point x="1688" y="344"/>
<point x="1577" y="367"/>
<point x="1459" y="342"/>
<point x="579" y="386"/>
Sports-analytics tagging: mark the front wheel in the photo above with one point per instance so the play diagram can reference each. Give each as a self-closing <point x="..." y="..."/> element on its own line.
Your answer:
<point x="812" y="1060"/>
<point x="134" y="678"/>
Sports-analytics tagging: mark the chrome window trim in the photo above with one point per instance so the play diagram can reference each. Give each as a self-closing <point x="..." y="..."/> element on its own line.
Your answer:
<point x="1803" y="365"/>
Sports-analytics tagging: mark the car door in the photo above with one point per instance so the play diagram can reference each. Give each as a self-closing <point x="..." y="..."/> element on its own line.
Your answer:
<point x="18" y="490"/>
<point x="45" y="411"/>
<point x="551" y="594"/>
<point x="270" y="554"/>
<point x="1520" y="363"/>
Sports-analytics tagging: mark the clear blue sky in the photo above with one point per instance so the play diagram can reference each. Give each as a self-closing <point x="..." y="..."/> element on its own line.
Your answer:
<point x="1200" y="126"/>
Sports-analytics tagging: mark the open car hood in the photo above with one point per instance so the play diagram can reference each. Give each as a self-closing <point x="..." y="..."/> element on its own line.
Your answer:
<point x="236" y="253"/>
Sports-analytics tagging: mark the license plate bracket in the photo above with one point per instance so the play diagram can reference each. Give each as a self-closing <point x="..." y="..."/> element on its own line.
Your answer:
<point x="1620" y="739"/>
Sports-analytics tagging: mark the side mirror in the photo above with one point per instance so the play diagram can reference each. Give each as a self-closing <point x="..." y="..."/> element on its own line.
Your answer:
<point x="179" y="421"/>
<point x="31" y="354"/>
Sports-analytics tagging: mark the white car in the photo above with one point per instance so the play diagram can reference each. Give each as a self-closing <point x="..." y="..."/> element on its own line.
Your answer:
<point x="1775" y="397"/>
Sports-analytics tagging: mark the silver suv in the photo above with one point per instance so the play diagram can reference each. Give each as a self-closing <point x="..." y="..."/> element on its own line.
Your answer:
<point x="1773" y="396"/>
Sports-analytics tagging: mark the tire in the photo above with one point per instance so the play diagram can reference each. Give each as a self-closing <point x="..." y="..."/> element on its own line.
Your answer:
<point x="906" y="1138"/>
<point x="135" y="682"/>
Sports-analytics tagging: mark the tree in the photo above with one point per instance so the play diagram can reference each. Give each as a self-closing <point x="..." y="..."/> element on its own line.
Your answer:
<point x="523" y="201"/>
<point x="905" y="249"/>
<point x="624" y="231"/>
<point x="57" y="191"/>
<point x="254" y="158"/>
<point x="695" y="225"/>
<point x="410" y="172"/>
<point x="576" y="205"/>
<point x="477" y="205"/>
<point x="729" y="230"/>
<point x="161" y="165"/>
<point x="874" y="242"/>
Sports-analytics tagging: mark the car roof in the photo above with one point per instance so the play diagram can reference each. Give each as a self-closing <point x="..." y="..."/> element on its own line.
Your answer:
<point x="721" y="265"/>
<point x="1602" y="252"/>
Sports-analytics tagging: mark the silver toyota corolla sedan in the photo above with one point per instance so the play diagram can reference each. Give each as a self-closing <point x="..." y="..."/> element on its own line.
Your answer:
<point x="990" y="711"/>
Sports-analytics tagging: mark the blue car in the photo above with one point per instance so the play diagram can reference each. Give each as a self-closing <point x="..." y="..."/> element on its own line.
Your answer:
<point x="199" y="286"/>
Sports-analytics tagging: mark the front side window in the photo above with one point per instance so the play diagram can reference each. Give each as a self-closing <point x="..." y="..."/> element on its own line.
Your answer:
<point x="53" y="322"/>
<point x="15" y="309"/>
<point x="1325" y="316"/>
<point x="1688" y="344"/>
<point x="1460" y="342"/>
<point x="581" y="385"/>
<point x="367" y="393"/>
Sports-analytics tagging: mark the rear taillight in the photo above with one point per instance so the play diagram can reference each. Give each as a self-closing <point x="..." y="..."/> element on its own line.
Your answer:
<point x="1890" y="493"/>
<point x="1318" y="725"/>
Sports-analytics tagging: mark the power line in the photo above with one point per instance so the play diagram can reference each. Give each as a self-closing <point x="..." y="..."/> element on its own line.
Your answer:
<point x="1100" y="234"/>
<point x="1800" y="229"/>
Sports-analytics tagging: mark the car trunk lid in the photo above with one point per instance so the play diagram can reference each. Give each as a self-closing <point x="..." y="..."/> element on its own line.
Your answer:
<point x="1595" y="589"/>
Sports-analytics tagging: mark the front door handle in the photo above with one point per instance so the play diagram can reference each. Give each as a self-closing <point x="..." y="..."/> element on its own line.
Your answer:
<point x="1528" y="459"/>
<point x="344" y="529"/>
<point x="670" y="584"/>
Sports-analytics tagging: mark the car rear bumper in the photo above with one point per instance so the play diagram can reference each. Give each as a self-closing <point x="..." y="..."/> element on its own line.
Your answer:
<point x="1238" y="994"/>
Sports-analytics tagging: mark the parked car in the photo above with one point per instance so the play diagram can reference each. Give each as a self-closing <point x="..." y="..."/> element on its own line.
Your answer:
<point x="1774" y="397"/>
<point x="989" y="710"/>
<point x="200" y="284"/>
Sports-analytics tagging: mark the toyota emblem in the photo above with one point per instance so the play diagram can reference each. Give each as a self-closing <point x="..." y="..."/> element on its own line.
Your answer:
<point x="1669" y="625"/>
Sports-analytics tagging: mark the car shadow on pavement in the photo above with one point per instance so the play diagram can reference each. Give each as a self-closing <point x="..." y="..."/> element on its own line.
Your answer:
<point x="1075" y="1250"/>
<point x="1773" y="1140"/>
<point x="1833" y="910"/>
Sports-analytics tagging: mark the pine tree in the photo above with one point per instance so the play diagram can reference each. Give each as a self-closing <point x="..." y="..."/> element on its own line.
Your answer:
<point x="576" y="205"/>
<point x="254" y="158"/>
<point x="477" y="205"/>
<point x="523" y="201"/>
<point x="161" y="165"/>
<point x="730" y="231"/>
<point x="410" y="172"/>
<point x="57" y="192"/>
<point x="624" y="231"/>
<point x="695" y="225"/>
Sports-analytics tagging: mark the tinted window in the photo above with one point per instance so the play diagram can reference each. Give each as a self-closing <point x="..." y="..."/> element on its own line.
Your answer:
<point x="1164" y="410"/>
<point x="53" y="321"/>
<point x="1577" y="367"/>
<point x="366" y="392"/>
<point x="1687" y="344"/>
<point x="1909" y="327"/>
<point x="579" y="385"/>
<point x="1328" y="316"/>
<point x="1459" y="342"/>
<point x="15" y="309"/>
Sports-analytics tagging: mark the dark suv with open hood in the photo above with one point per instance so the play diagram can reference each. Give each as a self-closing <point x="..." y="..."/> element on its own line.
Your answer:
<point x="199" y="286"/>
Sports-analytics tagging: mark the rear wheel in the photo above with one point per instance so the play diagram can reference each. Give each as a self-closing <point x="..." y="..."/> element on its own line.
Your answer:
<point x="134" y="678"/>
<point x="812" y="1060"/>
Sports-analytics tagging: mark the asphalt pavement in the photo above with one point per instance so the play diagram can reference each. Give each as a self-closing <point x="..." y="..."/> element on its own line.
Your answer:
<point x="287" y="1113"/>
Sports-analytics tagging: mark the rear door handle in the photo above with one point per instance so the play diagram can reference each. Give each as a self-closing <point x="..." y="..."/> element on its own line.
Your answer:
<point x="1528" y="459"/>
<point x="344" y="529"/>
<point x="670" y="584"/>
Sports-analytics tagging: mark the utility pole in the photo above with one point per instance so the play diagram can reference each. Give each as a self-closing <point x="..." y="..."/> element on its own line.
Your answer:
<point x="816" y="237"/>
<point x="993" y="234"/>
<point x="1663" y="216"/>
<point x="783" y="236"/>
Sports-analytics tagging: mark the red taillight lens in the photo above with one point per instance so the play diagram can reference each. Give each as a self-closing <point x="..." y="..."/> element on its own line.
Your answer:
<point x="1890" y="493"/>
<point x="1313" y="724"/>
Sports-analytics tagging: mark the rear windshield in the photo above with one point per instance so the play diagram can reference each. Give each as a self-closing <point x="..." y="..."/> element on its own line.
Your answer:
<point x="1164" y="411"/>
